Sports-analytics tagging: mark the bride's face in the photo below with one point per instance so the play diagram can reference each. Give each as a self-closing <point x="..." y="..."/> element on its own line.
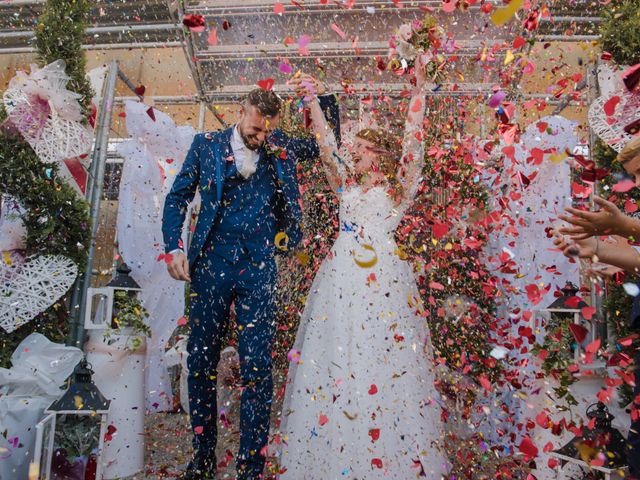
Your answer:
<point x="365" y="157"/>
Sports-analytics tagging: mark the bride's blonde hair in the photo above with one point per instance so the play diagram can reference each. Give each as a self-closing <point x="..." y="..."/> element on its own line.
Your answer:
<point x="389" y="152"/>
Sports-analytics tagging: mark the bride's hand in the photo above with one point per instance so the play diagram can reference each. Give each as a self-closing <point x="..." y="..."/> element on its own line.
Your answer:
<point x="306" y="85"/>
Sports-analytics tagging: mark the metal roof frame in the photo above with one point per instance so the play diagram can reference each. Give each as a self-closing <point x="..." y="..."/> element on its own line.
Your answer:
<point x="163" y="27"/>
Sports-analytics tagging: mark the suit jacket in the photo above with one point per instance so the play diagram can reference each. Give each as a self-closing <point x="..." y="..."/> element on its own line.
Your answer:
<point x="634" y="314"/>
<point x="202" y="169"/>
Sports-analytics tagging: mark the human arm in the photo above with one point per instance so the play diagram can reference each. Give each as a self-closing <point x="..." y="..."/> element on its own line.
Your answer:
<point x="609" y="220"/>
<point x="175" y="209"/>
<point x="412" y="161"/>
<point x="301" y="149"/>
<point x="620" y="254"/>
<point x="325" y="137"/>
<point x="335" y="170"/>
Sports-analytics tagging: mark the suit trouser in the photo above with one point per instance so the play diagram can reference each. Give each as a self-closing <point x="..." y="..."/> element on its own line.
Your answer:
<point x="216" y="283"/>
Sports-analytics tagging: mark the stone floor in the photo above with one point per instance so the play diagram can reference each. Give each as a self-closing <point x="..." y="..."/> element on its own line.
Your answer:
<point x="168" y="445"/>
<point x="168" y="442"/>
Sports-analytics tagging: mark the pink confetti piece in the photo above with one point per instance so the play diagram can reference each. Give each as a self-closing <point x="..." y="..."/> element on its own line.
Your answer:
<point x="623" y="186"/>
<point x="497" y="98"/>
<point x="213" y="37"/>
<point x="337" y="29"/>
<point x="303" y="41"/>
<point x="285" y="68"/>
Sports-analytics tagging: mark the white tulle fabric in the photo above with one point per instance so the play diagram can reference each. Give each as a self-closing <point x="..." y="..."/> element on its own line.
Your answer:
<point x="365" y="363"/>
<point x="152" y="159"/>
<point x="539" y="263"/>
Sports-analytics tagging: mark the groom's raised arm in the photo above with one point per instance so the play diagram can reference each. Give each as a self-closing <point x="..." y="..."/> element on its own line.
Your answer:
<point x="181" y="194"/>
<point x="301" y="149"/>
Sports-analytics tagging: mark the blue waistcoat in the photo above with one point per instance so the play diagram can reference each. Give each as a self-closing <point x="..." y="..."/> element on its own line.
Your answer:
<point x="246" y="217"/>
<point x="204" y="168"/>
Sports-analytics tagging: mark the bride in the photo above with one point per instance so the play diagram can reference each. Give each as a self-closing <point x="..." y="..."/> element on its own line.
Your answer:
<point x="360" y="401"/>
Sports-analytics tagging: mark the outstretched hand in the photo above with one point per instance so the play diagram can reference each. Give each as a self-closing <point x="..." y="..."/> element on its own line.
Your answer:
<point x="585" y="248"/>
<point x="587" y="224"/>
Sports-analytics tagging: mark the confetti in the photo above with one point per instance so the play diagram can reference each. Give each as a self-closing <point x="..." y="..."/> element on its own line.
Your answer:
<point x="338" y="31"/>
<point x="212" y="39"/>
<point x="503" y="15"/>
<point x="266" y="84"/>
<point x="367" y="263"/>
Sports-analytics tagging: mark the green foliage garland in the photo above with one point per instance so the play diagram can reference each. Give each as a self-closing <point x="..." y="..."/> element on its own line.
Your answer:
<point x="59" y="35"/>
<point x="620" y="31"/>
<point x="129" y="313"/>
<point x="558" y="357"/>
<point x="454" y="280"/>
<point x="57" y="222"/>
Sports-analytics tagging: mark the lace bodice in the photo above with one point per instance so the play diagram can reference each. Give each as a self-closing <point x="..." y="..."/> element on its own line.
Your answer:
<point x="372" y="212"/>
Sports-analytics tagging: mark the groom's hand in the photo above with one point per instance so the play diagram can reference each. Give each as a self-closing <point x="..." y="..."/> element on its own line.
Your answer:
<point x="179" y="267"/>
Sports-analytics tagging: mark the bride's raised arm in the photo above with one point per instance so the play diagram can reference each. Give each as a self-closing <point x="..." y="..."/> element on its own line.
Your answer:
<point x="412" y="161"/>
<point x="334" y="166"/>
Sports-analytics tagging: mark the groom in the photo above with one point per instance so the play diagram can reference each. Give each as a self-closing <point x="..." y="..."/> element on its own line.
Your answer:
<point x="246" y="176"/>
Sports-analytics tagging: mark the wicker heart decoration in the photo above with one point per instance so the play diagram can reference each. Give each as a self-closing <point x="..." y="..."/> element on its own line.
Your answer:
<point x="29" y="288"/>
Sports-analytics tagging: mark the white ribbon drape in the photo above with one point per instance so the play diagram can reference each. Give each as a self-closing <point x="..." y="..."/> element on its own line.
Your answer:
<point x="152" y="158"/>
<point x="533" y="253"/>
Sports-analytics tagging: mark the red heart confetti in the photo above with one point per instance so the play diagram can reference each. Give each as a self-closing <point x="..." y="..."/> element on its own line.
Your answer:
<point x="266" y="84"/>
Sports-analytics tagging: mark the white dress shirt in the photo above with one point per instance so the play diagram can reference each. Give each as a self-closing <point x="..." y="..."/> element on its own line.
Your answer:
<point x="245" y="158"/>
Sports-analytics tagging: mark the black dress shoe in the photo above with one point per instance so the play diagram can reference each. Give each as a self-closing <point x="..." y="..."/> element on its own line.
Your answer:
<point x="200" y="468"/>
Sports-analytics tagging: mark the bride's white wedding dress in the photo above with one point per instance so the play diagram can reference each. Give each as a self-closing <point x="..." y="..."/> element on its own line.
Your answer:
<point x="360" y="402"/>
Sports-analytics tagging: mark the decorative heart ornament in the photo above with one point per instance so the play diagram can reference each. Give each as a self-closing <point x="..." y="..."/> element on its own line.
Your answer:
<point x="29" y="288"/>
<point x="615" y="116"/>
<point x="46" y="114"/>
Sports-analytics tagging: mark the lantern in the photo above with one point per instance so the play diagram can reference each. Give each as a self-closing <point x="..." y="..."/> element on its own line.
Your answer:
<point x="102" y="303"/>
<point x="600" y="450"/>
<point x="70" y="439"/>
<point x="567" y="310"/>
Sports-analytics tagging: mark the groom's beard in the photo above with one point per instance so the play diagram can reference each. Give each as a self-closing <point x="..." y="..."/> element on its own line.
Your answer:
<point x="246" y="139"/>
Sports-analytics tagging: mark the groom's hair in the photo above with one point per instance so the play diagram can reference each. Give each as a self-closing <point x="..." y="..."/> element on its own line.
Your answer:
<point x="267" y="102"/>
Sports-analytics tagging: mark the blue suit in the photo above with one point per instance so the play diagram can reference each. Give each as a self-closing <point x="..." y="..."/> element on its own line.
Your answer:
<point x="231" y="259"/>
